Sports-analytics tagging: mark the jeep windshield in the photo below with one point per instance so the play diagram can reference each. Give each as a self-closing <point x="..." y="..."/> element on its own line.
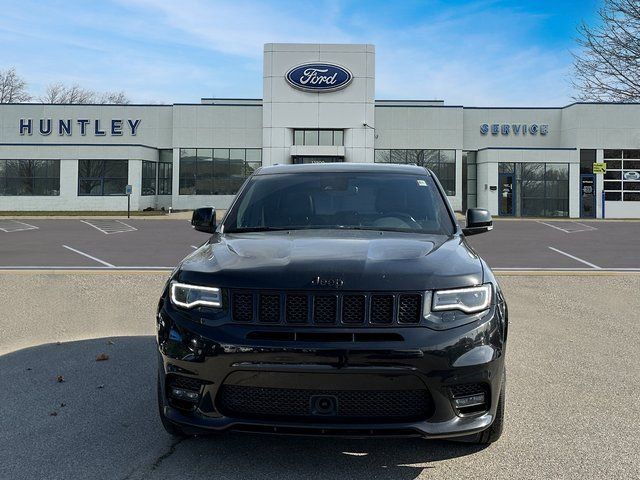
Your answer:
<point x="340" y="200"/>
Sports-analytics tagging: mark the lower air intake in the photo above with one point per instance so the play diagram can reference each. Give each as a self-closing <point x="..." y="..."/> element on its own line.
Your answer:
<point x="379" y="406"/>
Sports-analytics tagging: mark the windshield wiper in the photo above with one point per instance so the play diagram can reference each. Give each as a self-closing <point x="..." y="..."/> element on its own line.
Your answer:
<point x="268" y="229"/>
<point x="376" y="229"/>
<point x="258" y="229"/>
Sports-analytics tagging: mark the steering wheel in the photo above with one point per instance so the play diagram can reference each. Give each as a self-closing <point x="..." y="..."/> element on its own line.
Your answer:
<point x="405" y="217"/>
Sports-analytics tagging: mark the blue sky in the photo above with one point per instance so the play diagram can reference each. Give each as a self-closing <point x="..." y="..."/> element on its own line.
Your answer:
<point x="469" y="52"/>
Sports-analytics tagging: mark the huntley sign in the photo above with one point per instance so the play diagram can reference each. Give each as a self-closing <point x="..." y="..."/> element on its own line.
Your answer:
<point x="67" y="127"/>
<point x="319" y="77"/>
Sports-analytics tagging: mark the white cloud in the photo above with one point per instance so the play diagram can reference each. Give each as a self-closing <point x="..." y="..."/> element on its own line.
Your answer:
<point x="480" y="53"/>
<point x="242" y="27"/>
<point x="454" y="54"/>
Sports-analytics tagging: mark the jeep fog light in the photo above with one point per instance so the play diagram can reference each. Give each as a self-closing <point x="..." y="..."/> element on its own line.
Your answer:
<point x="470" y="401"/>
<point x="183" y="394"/>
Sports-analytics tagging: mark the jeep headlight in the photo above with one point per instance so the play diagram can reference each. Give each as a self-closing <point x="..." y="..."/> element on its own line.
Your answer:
<point x="189" y="296"/>
<point x="468" y="300"/>
<point x="451" y="308"/>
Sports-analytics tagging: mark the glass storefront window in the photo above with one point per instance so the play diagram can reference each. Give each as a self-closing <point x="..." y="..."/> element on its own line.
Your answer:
<point x="506" y="167"/>
<point x="165" y="178"/>
<point x="442" y="162"/>
<point x="217" y="171"/>
<point x="316" y="137"/>
<point x="469" y="180"/>
<point x="311" y="137"/>
<point x="398" y="156"/>
<point x="148" y="186"/>
<point x="102" y="177"/>
<point x="29" y="177"/>
<point x="382" y="156"/>
<point x="325" y="137"/>
<point x="540" y="190"/>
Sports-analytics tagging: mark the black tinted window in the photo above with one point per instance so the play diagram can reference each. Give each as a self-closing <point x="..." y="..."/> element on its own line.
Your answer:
<point x="395" y="202"/>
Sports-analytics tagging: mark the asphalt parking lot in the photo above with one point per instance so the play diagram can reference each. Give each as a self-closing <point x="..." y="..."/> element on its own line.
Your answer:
<point x="161" y="243"/>
<point x="573" y="366"/>
<point x="96" y="243"/>
<point x="77" y="288"/>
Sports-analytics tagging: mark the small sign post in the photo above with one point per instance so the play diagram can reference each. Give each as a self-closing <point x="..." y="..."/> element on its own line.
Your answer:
<point x="128" y="191"/>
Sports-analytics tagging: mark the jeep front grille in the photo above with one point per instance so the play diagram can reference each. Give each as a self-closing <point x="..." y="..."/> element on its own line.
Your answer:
<point x="326" y="308"/>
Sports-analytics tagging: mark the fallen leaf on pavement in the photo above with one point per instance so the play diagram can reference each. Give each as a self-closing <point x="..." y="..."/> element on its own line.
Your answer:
<point x="60" y="379"/>
<point x="102" y="357"/>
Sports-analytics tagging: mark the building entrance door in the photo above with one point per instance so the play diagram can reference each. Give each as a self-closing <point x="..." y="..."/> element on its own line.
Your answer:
<point x="587" y="195"/>
<point x="506" y="187"/>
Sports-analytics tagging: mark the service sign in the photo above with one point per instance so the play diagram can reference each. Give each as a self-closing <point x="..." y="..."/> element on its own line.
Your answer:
<point x="319" y="77"/>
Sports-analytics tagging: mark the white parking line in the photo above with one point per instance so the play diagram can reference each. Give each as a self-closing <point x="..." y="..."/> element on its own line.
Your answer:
<point x="578" y="259"/>
<point x="109" y="227"/>
<point x="107" y="264"/>
<point x="9" y="226"/>
<point x="66" y="267"/>
<point x="587" y="228"/>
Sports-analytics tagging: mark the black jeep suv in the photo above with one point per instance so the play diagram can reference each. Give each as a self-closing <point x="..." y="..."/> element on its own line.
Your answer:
<point x="335" y="299"/>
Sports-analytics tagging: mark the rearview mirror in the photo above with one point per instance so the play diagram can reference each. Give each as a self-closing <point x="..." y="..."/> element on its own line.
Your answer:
<point x="204" y="219"/>
<point x="478" y="221"/>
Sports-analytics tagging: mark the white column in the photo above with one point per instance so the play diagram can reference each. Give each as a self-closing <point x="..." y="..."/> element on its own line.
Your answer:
<point x="574" y="190"/>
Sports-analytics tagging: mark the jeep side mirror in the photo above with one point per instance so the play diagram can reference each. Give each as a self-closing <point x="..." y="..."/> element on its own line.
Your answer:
<point x="478" y="221"/>
<point x="204" y="219"/>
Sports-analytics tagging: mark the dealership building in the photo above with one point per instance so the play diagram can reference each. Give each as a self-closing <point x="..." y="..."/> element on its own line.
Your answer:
<point x="319" y="105"/>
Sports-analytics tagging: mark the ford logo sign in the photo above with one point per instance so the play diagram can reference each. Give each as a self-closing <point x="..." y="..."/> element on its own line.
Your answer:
<point x="319" y="77"/>
<point x="632" y="175"/>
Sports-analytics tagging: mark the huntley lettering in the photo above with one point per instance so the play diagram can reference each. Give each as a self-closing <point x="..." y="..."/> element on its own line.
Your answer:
<point x="66" y="127"/>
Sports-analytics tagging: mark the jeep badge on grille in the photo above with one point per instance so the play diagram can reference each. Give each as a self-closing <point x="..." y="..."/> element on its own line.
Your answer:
<point x="327" y="282"/>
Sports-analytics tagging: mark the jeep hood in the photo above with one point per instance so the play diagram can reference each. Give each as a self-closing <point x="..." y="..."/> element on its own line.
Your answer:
<point x="363" y="260"/>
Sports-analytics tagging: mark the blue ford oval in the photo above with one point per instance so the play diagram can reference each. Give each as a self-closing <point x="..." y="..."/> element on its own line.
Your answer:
<point x="319" y="77"/>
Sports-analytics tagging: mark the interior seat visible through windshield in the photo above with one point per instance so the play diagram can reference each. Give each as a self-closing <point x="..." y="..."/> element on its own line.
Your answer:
<point x="341" y="200"/>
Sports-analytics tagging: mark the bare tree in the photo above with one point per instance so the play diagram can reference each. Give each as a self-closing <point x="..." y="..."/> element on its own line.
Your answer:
<point x="117" y="98"/>
<point x="13" y="89"/>
<point x="608" y="66"/>
<point x="75" y="94"/>
<point x="60" y="93"/>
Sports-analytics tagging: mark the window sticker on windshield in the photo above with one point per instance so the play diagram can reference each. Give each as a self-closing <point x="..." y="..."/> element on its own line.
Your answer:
<point x="422" y="183"/>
